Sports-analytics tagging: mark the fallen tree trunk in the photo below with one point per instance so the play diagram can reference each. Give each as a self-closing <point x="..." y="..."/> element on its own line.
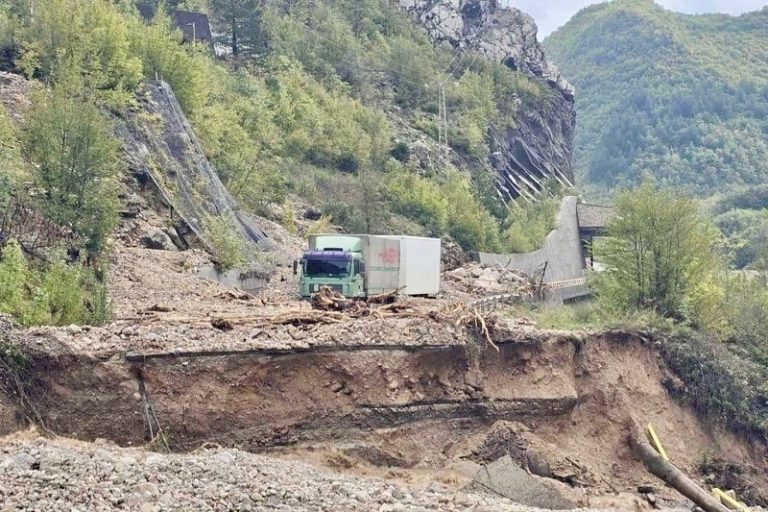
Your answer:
<point x="665" y="470"/>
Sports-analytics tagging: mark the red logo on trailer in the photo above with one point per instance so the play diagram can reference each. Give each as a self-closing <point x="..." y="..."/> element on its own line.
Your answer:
<point x="390" y="256"/>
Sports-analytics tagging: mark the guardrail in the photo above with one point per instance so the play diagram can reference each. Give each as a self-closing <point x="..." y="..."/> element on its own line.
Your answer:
<point x="581" y="281"/>
<point x="492" y="302"/>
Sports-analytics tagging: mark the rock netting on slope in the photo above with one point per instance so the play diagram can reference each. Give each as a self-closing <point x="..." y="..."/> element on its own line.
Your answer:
<point x="37" y="474"/>
<point x="160" y="145"/>
<point x="540" y="146"/>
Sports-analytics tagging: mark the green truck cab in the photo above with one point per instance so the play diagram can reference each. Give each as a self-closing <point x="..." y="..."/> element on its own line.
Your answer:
<point x="341" y="271"/>
<point x="365" y="265"/>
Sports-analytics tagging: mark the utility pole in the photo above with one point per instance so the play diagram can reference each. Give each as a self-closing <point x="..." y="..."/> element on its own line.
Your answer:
<point x="445" y="114"/>
<point x="442" y="115"/>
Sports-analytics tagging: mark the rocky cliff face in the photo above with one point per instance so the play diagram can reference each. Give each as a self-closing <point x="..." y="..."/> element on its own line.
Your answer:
<point x="540" y="146"/>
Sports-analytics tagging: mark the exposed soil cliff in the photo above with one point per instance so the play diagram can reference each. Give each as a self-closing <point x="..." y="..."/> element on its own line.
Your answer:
<point x="558" y="404"/>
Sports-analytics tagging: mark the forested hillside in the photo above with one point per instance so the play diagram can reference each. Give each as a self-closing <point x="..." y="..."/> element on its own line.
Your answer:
<point x="681" y="98"/>
<point x="348" y="107"/>
<point x="334" y="102"/>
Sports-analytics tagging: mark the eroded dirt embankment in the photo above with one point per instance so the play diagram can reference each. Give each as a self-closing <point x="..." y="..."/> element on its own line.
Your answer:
<point x="559" y="404"/>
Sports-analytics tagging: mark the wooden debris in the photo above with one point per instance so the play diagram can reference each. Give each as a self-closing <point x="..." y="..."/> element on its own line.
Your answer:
<point x="329" y="300"/>
<point x="657" y="465"/>
<point x="329" y="307"/>
<point x="234" y="295"/>
<point x="157" y="308"/>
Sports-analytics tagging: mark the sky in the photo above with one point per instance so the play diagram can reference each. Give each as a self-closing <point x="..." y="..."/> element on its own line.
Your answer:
<point x="551" y="14"/>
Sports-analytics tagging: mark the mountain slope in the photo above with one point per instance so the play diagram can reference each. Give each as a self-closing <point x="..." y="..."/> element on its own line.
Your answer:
<point x="682" y="98"/>
<point x="348" y="106"/>
<point x="538" y="147"/>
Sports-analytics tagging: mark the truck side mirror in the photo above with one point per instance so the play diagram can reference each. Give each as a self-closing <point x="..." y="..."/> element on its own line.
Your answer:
<point x="295" y="267"/>
<point x="362" y="268"/>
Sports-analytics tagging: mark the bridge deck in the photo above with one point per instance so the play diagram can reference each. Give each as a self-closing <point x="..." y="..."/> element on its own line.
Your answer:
<point x="593" y="218"/>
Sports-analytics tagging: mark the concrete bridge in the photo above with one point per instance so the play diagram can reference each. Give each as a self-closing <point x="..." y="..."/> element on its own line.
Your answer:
<point x="562" y="262"/>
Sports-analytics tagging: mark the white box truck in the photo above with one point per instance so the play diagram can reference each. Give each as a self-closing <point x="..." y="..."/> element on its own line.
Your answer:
<point x="364" y="265"/>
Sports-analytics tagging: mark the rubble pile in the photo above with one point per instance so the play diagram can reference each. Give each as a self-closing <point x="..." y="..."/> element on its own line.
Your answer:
<point x="39" y="474"/>
<point x="478" y="279"/>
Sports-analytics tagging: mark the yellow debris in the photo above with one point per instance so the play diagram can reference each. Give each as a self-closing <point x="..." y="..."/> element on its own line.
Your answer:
<point x="728" y="501"/>
<point x="656" y="442"/>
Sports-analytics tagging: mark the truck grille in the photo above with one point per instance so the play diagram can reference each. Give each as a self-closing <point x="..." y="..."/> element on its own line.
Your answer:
<point x="336" y="288"/>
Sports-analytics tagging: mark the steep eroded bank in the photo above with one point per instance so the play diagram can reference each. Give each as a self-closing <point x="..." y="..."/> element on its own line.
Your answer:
<point x="559" y="404"/>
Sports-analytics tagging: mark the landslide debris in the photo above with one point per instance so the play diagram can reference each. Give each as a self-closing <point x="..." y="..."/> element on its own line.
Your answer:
<point x="161" y="304"/>
<point x="40" y="474"/>
<point x="477" y="279"/>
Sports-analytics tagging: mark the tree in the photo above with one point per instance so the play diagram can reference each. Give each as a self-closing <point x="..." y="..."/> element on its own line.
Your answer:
<point x="75" y="157"/>
<point x="657" y="253"/>
<point x="242" y="18"/>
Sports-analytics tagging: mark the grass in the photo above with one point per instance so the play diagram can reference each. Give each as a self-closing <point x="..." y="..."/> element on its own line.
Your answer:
<point x="589" y="315"/>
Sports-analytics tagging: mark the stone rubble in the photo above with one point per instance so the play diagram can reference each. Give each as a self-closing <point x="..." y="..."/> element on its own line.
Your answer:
<point x="39" y="474"/>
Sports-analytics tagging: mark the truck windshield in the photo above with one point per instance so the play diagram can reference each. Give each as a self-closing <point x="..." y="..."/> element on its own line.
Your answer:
<point x="323" y="268"/>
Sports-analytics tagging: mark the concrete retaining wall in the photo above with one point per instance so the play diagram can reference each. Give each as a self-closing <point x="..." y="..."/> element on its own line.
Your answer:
<point x="562" y="252"/>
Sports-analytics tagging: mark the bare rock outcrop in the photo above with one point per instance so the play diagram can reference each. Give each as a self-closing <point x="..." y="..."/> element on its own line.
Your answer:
<point x="539" y="147"/>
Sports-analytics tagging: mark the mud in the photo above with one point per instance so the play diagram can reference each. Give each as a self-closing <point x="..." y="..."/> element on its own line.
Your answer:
<point x="558" y="406"/>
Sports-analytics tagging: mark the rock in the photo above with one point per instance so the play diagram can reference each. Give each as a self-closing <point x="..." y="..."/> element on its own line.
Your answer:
<point x="312" y="214"/>
<point x="474" y="378"/>
<point x="157" y="239"/>
<point x="464" y="500"/>
<point x="542" y="138"/>
<point x="130" y="212"/>
<point x="466" y="468"/>
<point x="508" y="479"/>
<point x="148" y="490"/>
<point x="24" y="460"/>
<point x="225" y="457"/>
<point x="452" y="255"/>
<point x="177" y="241"/>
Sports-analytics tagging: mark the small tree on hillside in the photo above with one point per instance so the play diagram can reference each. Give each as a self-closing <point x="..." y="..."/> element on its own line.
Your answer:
<point x="657" y="254"/>
<point x="75" y="160"/>
<point x="242" y="19"/>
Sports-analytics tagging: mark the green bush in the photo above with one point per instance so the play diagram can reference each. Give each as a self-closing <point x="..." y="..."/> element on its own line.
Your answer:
<point x="90" y="35"/>
<point x="528" y="223"/>
<point x="14" y="275"/>
<point x="75" y="160"/>
<point x="469" y="223"/>
<point x="420" y="199"/>
<point x="53" y="294"/>
<point x="401" y="152"/>
<point x="745" y="309"/>
<point x="657" y="253"/>
<point x="413" y="70"/>
<point x="719" y="383"/>
<point x="226" y="245"/>
<point x="184" y="67"/>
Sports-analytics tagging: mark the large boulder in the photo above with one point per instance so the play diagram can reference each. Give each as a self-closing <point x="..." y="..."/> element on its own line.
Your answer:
<point x="506" y="478"/>
<point x="452" y="255"/>
<point x="158" y="239"/>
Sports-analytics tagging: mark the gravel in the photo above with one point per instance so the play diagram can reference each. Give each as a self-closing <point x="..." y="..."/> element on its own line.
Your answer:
<point x="40" y="474"/>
